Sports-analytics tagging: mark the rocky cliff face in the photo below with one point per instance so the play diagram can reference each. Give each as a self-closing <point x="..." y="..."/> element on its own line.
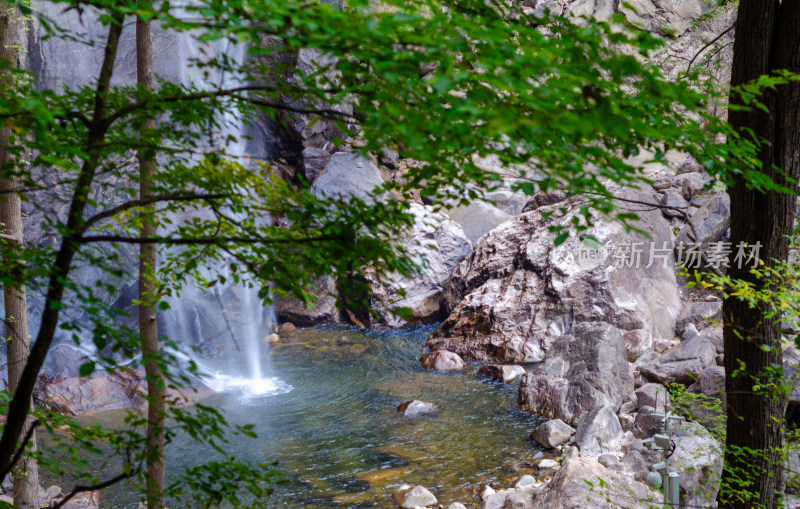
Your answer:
<point x="519" y="290"/>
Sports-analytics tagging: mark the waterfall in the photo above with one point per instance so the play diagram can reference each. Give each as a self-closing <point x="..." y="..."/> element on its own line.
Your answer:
<point x="227" y="320"/>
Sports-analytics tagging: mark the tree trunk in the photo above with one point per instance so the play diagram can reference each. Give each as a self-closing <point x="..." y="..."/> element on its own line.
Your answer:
<point x="767" y="39"/>
<point x="148" y="329"/>
<point x="21" y="400"/>
<point x="25" y="473"/>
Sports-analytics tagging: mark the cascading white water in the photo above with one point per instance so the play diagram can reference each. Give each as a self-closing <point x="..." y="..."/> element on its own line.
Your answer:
<point x="230" y="317"/>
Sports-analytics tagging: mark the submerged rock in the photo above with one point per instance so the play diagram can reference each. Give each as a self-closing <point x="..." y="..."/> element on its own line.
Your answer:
<point x="410" y="497"/>
<point x="518" y="289"/>
<point x="505" y="373"/>
<point x="415" y="408"/>
<point x="586" y="369"/>
<point x="442" y="361"/>
<point x="553" y="433"/>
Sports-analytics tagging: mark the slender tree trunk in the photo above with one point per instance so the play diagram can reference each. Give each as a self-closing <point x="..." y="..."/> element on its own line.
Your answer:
<point x="21" y="400"/>
<point x="18" y="341"/>
<point x="767" y="39"/>
<point x="148" y="330"/>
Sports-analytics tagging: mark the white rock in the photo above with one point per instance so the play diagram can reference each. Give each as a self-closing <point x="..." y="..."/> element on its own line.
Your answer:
<point x="548" y="463"/>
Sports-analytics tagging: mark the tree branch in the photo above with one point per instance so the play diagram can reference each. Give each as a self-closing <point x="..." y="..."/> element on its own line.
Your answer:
<point x="21" y="449"/>
<point x="715" y="39"/>
<point x="153" y="199"/>
<point x="207" y="240"/>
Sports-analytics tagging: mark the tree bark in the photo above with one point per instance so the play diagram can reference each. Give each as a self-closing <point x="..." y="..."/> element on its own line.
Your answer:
<point x="156" y="407"/>
<point x="75" y="226"/>
<point x="26" y="472"/>
<point x="767" y="39"/>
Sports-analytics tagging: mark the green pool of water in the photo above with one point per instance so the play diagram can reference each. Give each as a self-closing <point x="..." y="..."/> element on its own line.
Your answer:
<point x="338" y="439"/>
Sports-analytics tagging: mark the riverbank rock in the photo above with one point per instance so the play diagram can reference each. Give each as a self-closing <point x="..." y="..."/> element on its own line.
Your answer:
<point x="585" y="483"/>
<point x="519" y="289"/>
<point x="410" y="497"/>
<point x="585" y="369"/>
<point x="322" y="312"/>
<point x="552" y="433"/>
<point x="96" y="393"/>
<point x="506" y="499"/>
<point x="415" y="408"/>
<point x="85" y="500"/>
<point x="698" y="457"/>
<point x="505" y="373"/>
<point x="598" y="432"/>
<point x="439" y="245"/>
<point x="442" y="361"/>
<point x="682" y="363"/>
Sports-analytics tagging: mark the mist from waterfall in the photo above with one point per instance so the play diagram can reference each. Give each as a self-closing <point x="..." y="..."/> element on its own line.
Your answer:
<point x="228" y="320"/>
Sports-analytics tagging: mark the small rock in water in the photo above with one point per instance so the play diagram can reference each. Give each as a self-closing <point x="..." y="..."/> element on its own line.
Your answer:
<point x="287" y="327"/>
<point x="487" y="491"/>
<point x="548" y="464"/>
<point x="415" y="407"/>
<point x="273" y="338"/>
<point x="502" y="372"/>
<point x="410" y="497"/>
<point x="525" y="481"/>
<point x="456" y="505"/>
<point x="442" y="360"/>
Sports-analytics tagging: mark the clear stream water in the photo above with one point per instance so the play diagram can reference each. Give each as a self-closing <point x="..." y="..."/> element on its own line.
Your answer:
<point x="332" y="427"/>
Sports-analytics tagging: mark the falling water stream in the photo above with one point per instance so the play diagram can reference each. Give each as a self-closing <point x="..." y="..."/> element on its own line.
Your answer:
<point x="237" y="307"/>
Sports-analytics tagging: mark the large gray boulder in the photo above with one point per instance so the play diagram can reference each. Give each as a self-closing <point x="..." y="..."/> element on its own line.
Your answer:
<point x="553" y="433"/>
<point x="585" y="369"/>
<point x="598" y="432"/>
<point x="698" y="457"/>
<point x="518" y="289"/>
<point x="700" y="314"/>
<point x="710" y="223"/>
<point x="348" y="176"/>
<point x="682" y="363"/>
<point x="478" y="218"/>
<point x="585" y="483"/>
<point x="322" y="311"/>
<point x="438" y="245"/>
<point x="508" y="201"/>
<point x="101" y="391"/>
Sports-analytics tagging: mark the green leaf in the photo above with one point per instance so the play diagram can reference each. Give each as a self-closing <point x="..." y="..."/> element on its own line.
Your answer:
<point x="87" y="368"/>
